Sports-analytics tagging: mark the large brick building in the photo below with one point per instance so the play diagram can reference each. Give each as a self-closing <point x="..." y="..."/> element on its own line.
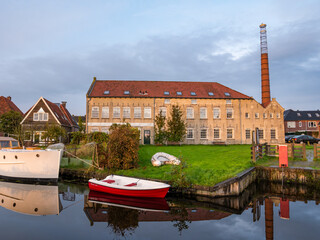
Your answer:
<point x="213" y="112"/>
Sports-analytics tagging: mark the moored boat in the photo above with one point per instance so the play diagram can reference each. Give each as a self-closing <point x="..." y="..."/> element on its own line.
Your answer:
<point x="31" y="164"/>
<point x="128" y="186"/>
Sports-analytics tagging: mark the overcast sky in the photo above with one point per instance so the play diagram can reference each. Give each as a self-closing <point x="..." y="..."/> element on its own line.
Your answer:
<point x="55" y="48"/>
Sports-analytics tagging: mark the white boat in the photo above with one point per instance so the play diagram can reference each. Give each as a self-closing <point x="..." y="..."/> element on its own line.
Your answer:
<point x="30" y="199"/>
<point x="31" y="164"/>
<point x="162" y="158"/>
<point x="128" y="186"/>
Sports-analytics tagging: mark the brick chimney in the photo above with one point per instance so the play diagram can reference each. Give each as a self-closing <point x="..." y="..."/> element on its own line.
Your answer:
<point x="9" y="98"/>
<point x="64" y="104"/>
<point x="265" y="82"/>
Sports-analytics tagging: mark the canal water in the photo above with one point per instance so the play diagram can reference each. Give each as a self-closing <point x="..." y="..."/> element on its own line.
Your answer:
<point x="70" y="211"/>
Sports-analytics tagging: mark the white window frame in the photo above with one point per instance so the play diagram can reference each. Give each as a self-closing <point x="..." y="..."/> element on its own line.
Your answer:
<point x="264" y="115"/>
<point x="256" y="115"/>
<point x="126" y="113"/>
<point x="228" y="132"/>
<point x="147" y="112"/>
<point x="247" y="115"/>
<point x="166" y="101"/>
<point x="278" y="115"/>
<point x="193" y="101"/>
<point x="215" y="130"/>
<point x="246" y="133"/>
<point x="95" y="112"/>
<point x="291" y="124"/>
<point x="216" y="113"/>
<point x="273" y="133"/>
<point x="105" y="130"/>
<point x="203" y="113"/>
<point x="137" y="112"/>
<point x="206" y="133"/>
<point x="105" y="112"/>
<point x="190" y="130"/>
<point x="116" y="112"/>
<point x="228" y="111"/>
<point x="94" y="129"/>
<point x="271" y="115"/>
<point x="261" y="133"/>
<point x="164" y="111"/>
<point x="228" y="101"/>
<point x="190" y="113"/>
<point x="300" y="124"/>
<point x="312" y="124"/>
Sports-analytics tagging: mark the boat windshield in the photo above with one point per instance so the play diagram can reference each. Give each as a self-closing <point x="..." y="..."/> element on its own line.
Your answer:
<point x="15" y="144"/>
<point x="4" y="144"/>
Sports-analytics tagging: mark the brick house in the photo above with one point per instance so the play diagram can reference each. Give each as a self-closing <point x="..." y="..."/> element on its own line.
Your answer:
<point x="307" y="122"/>
<point x="213" y="112"/>
<point x="7" y="105"/>
<point x="43" y="114"/>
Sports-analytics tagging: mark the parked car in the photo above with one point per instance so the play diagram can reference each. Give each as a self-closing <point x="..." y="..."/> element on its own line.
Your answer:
<point x="288" y="137"/>
<point x="304" y="139"/>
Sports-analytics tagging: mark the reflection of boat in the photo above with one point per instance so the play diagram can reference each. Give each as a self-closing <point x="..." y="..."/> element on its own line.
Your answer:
<point x="128" y="186"/>
<point x="31" y="164"/>
<point x="30" y="199"/>
<point x="161" y="158"/>
<point x="146" y="204"/>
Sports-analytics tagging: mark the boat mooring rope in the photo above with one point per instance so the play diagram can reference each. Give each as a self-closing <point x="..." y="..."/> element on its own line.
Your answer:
<point x="82" y="160"/>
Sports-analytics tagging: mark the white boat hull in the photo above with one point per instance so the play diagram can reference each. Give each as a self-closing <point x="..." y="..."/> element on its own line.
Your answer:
<point x="30" y="164"/>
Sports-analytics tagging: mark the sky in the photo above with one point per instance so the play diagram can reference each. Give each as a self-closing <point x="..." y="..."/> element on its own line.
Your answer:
<point x="54" y="48"/>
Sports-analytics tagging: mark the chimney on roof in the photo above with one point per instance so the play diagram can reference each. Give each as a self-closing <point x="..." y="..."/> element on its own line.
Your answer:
<point x="9" y="98"/>
<point x="265" y="82"/>
<point x="64" y="103"/>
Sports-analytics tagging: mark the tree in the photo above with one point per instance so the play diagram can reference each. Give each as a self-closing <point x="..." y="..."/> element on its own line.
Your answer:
<point x="123" y="146"/>
<point x="160" y="135"/>
<point x="176" y="125"/>
<point x="82" y="127"/>
<point x="54" y="133"/>
<point x="10" y="122"/>
<point x="100" y="152"/>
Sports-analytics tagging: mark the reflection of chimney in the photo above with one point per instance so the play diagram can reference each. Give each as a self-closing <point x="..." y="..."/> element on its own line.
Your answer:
<point x="268" y="214"/>
<point x="64" y="104"/>
<point x="265" y="82"/>
<point x="9" y="98"/>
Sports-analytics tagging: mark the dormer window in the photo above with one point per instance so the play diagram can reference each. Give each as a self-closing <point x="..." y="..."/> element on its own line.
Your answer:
<point x="107" y="92"/>
<point x="179" y="93"/>
<point x="126" y="92"/>
<point x="193" y="93"/>
<point x="210" y="94"/>
<point x="227" y="94"/>
<point x="309" y="114"/>
<point x="40" y="116"/>
<point x="166" y="93"/>
<point x="299" y="114"/>
<point x="317" y="114"/>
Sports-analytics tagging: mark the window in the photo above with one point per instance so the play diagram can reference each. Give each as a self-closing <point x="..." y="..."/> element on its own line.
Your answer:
<point x="317" y="114"/>
<point x="163" y="111"/>
<point x="309" y="115"/>
<point x="94" y="129"/>
<point x="105" y="112"/>
<point x="273" y="134"/>
<point x="126" y="92"/>
<point x="147" y="112"/>
<point x="229" y="133"/>
<point x="203" y="133"/>
<point x="264" y="115"/>
<point x="179" y="93"/>
<point x="106" y="92"/>
<point x="203" y="113"/>
<point x="229" y="113"/>
<point x="190" y="113"/>
<point x="271" y="115"/>
<point x="167" y="101"/>
<point x="227" y="94"/>
<point x="95" y="112"/>
<point x="193" y="93"/>
<point x="246" y="115"/>
<point x="116" y="112"/>
<point x="105" y="130"/>
<point x="299" y="114"/>
<point x="300" y="124"/>
<point x="166" y="93"/>
<point x="137" y="112"/>
<point x="248" y="134"/>
<point x="228" y="101"/>
<point x="312" y="124"/>
<point x="193" y="101"/>
<point x="35" y="117"/>
<point x="126" y="112"/>
<point x="256" y="115"/>
<point x="291" y="124"/>
<point x="216" y="113"/>
<point x="27" y="136"/>
<point x="210" y="94"/>
<point x="278" y="115"/>
<point x="190" y="134"/>
<point x="260" y="133"/>
<point x="216" y="133"/>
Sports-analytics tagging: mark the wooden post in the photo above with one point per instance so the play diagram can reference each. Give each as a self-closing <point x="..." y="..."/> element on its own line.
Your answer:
<point x="304" y="153"/>
<point x="315" y="151"/>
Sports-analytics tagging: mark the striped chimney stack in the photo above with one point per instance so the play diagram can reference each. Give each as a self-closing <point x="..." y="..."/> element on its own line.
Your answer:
<point x="265" y="82"/>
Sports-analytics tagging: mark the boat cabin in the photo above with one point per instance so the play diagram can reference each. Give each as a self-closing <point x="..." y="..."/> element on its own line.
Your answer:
<point x="8" y="142"/>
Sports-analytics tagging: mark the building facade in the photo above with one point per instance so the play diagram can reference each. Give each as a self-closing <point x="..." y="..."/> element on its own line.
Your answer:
<point x="307" y="122"/>
<point x="213" y="113"/>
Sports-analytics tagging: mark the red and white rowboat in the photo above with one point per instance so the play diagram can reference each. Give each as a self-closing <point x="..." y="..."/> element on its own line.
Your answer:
<point x="127" y="186"/>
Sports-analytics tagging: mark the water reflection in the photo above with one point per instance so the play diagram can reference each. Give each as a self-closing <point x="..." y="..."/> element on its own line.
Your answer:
<point x="30" y="199"/>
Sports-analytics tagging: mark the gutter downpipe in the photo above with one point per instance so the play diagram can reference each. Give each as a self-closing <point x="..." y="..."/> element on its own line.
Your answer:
<point x="240" y="121"/>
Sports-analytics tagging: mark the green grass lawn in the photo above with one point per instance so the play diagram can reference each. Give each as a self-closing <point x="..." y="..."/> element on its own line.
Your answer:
<point x="206" y="165"/>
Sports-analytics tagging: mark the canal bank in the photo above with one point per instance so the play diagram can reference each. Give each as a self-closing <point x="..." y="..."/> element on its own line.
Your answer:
<point x="231" y="187"/>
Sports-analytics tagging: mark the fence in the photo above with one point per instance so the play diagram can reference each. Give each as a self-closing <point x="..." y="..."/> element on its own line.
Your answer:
<point x="316" y="151"/>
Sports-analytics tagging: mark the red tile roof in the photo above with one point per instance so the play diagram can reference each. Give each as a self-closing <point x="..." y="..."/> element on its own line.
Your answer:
<point x="7" y="105"/>
<point x="114" y="88"/>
